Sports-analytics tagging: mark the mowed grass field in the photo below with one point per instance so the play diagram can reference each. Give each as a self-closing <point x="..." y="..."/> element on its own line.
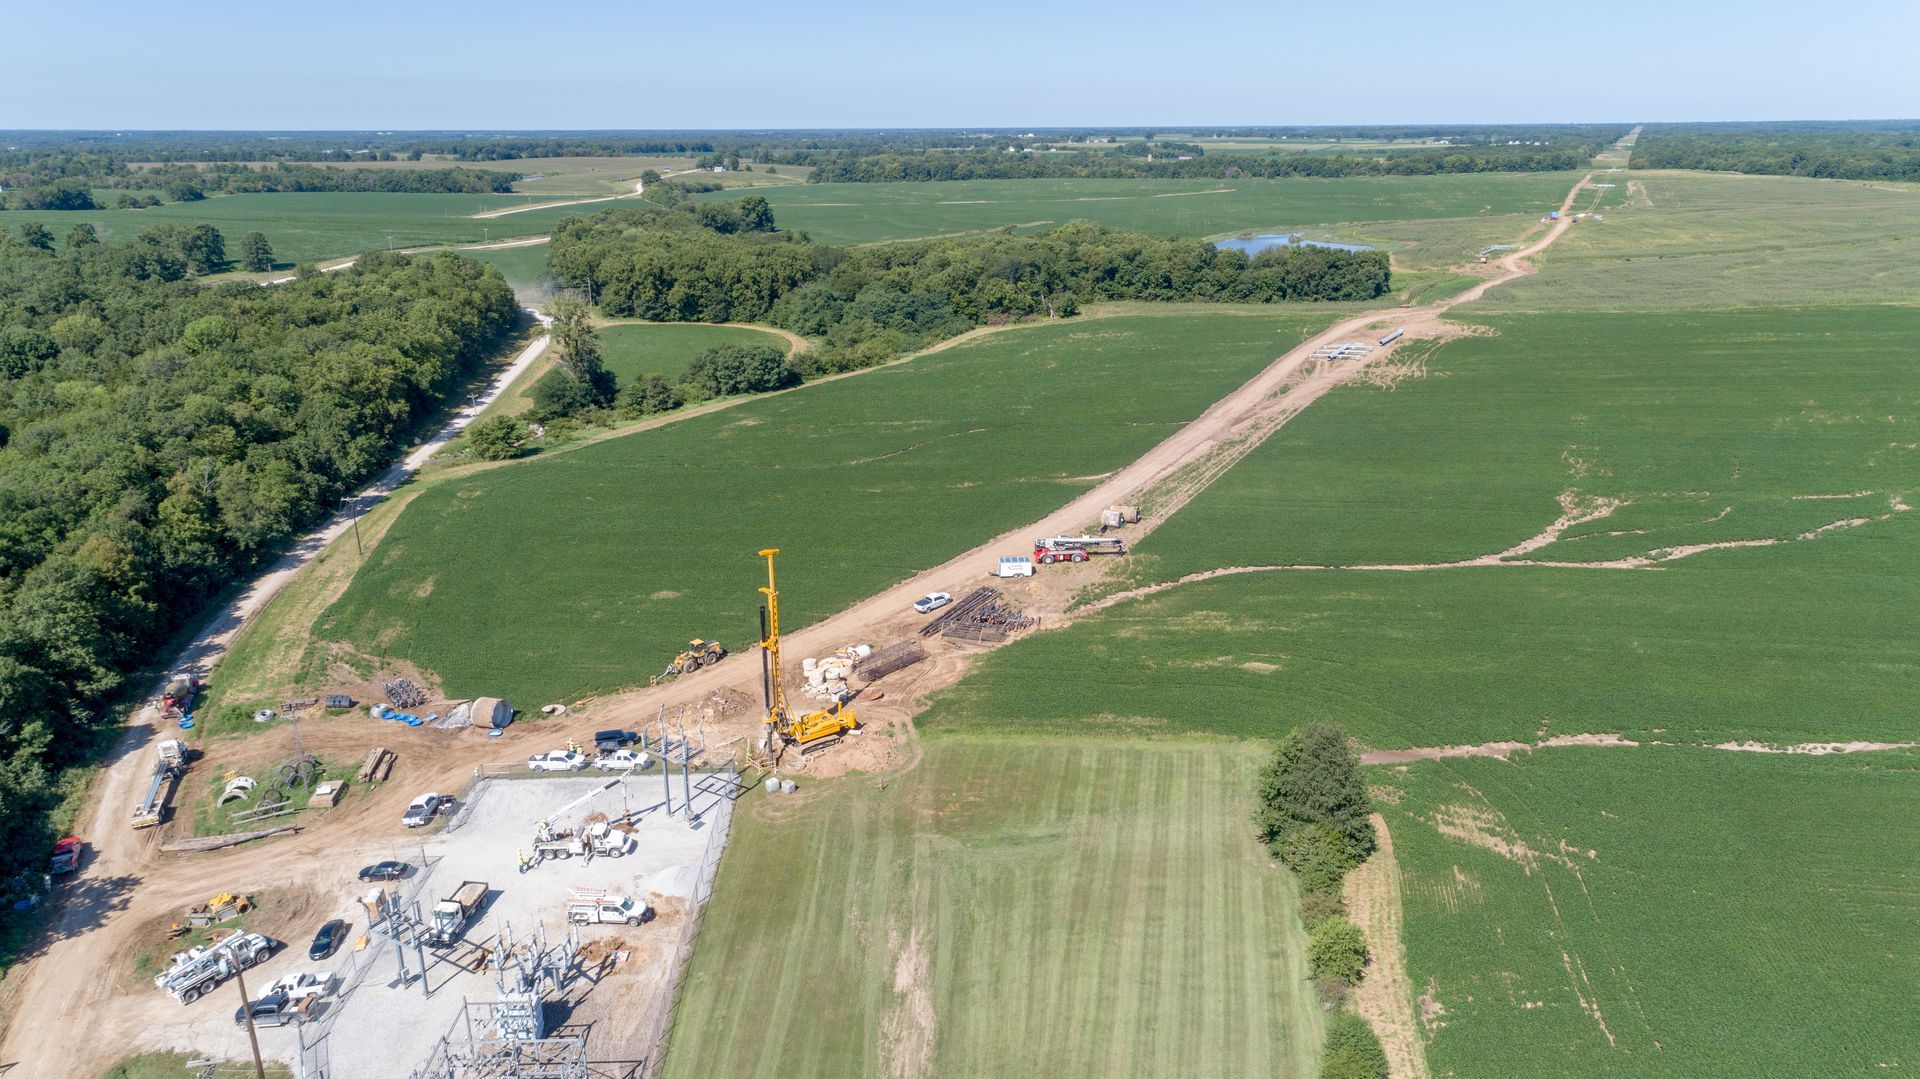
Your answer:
<point x="585" y="571"/>
<point x="305" y="226"/>
<point x="871" y="213"/>
<point x="1710" y="426"/>
<point x="1661" y="912"/>
<point x="634" y="350"/>
<point x="1074" y="908"/>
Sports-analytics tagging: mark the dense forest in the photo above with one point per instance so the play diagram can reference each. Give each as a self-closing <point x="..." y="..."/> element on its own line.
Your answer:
<point x="724" y="263"/>
<point x="1877" y="150"/>
<point x="159" y="436"/>
<point x="1129" y="161"/>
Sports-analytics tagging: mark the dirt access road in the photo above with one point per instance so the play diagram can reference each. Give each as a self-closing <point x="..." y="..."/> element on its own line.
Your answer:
<point x="128" y="885"/>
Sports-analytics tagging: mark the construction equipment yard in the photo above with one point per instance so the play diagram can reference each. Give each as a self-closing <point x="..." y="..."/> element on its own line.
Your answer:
<point x="604" y="986"/>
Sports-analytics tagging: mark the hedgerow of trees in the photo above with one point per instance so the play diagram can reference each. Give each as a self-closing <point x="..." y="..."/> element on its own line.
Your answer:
<point x="71" y="181"/>
<point x="997" y="164"/>
<point x="158" y="437"/>
<point x="1313" y="812"/>
<point x="1878" y="150"/>
<point x="869" y="305"/>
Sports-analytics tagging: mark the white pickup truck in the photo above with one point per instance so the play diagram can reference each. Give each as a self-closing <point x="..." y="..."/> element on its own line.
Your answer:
<point x="588" y="909"/>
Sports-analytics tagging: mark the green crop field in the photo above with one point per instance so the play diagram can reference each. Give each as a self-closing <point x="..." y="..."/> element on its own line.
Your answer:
<point x="868" y="213"/>
<point x="584" y="571"/>
<point x="1035" y="909"/>
<point x="1661" y="912"/>
<point x="1712" y="426"/>
<point x="1791" y="644"/>
<point x="305" y="226"/>
<point x="525" y="268"/>
<point x="634" y="350"/>
<point x="1708" y="426"/>
<point x="1701" y="240"/>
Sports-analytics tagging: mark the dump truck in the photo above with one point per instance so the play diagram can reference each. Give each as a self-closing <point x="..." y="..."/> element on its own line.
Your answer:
<point x="451" y="915"/>
<point x="594" y="907"/>
<point x="198" y="971"/>
<point x="66" y="856"/>
<point x="699" y="654"/>
<point x="170" y="763"/>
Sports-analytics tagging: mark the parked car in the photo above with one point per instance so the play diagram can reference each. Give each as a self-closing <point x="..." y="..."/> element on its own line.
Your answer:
<point x="931" y="602"/>
<point x="272" y="1010"/>
<point x="557" y="760"/>
<point x="608" y="741"/>
<point x="423" y="809"/>
<point x="328" y="940"/>
<point x="622" y="760"/>
<point x="387" y="870"/>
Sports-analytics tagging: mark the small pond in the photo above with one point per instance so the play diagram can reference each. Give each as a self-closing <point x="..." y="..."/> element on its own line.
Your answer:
<point x="1253" y="245"/>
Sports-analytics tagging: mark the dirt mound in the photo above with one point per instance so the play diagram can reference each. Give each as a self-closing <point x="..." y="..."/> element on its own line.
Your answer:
<point x="726" y="702"/>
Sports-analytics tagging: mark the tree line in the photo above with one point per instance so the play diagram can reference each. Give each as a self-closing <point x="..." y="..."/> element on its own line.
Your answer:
<point x="158" y="437"/>
<point x="165" y="251"/>
<point x="72" y="182"/>
<point x="726" y="263"/>
<point x="1883" y="150"/>
<point x="1124" y="163"/>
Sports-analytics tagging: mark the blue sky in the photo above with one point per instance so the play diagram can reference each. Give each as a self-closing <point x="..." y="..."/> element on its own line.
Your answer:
<point x="348" y="64"/>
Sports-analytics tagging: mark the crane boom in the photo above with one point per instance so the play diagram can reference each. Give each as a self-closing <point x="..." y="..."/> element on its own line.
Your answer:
<point x="544" y="831"/>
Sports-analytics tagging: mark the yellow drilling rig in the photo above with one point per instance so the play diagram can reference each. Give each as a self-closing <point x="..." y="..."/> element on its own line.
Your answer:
<point x="812" y="731"/>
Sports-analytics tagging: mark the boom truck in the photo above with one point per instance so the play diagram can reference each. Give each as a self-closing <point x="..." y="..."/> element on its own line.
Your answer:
<point x="451" y="915"/>
<point x="598" y="839"/>
<point x="198" y="971"/>
<point x="1075" y="548"/>
<point x="812" y="731"/>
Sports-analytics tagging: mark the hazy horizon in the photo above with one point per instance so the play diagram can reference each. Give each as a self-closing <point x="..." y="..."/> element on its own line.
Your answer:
<point x="492" y="66"/>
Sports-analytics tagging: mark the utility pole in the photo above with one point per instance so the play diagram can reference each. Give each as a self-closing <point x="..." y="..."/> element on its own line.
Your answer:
<point x="246" y="1009"/>
<point x="346" y="507"/>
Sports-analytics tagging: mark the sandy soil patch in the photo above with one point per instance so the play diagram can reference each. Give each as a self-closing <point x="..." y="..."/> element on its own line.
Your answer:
<point x="1385" y="998"/>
